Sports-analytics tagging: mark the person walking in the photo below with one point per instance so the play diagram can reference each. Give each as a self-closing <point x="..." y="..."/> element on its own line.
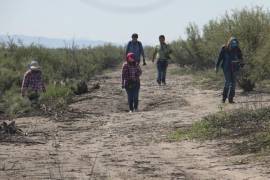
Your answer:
<point x="131" y="73"/>
<point x="134" y="46"/>
<point x="33" y="84"/>
<point x="162" y="54"/>
<point x="231" y="60"/>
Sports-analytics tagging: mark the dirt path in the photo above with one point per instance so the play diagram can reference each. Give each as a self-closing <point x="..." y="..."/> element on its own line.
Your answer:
<point x="106" y="142"/>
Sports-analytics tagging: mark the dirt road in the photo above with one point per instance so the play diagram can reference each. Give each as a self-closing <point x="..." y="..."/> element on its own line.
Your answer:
<point x="100" y="140"/>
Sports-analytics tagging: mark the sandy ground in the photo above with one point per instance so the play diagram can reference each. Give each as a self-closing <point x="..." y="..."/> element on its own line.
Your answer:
<point x="100" y="140"/>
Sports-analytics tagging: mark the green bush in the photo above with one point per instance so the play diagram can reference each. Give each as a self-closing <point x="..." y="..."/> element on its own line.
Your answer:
<point x="149" y="51"/>
<point x="251" y="26"/>
<point x="190" y="52"/>
<point x="14" y="104"/>
<point x="56" y="96"/>
<point x="59" y="66"/>
<point x="261" y="62"/>
<point x="8" y="78"/>
<point x="250" y="127"/>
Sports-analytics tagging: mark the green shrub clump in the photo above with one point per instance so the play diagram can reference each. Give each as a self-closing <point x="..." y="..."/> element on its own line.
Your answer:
<point x="56" y="96"/>
<point x="251" y="26"/>
<point x="61" y="68"/>
<point x="249" y="127"/>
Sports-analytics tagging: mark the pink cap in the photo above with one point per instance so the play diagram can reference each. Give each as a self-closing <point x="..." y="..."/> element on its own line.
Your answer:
<point x="130" y="57"/>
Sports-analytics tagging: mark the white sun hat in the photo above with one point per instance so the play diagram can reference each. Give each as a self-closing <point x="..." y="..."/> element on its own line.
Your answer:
<point x="34" y="65"/>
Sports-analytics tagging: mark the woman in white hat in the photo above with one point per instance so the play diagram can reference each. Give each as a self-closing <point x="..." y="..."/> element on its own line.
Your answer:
<point x="33" y="83"/>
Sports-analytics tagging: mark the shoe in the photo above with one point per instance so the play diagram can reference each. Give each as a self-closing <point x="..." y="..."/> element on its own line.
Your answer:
<point x="159" y="83"/>
<point x="136" y="110"/>
<point x="231" y="101"/>
<point x="223" y="101"/>
<point x="164" y="83"/>
<point x="130" y="111"/>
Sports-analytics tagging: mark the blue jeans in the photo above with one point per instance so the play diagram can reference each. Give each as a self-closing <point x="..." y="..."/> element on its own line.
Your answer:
<point x="162" y="69"/>
<point x="133" y="97"/>
<point x="230" y="84"/>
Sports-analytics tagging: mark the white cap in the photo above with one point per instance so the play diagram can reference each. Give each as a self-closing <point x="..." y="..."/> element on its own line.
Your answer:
<point x="34" y="65"/>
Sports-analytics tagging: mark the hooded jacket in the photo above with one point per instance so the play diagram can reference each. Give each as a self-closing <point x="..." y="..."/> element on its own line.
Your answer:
<point x="228" y="55"/>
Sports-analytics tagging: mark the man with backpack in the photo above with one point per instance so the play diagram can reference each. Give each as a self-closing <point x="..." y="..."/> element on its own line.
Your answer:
<point x="134" y="46"/>
<point x="162" y="54"/>
<point x="231" y="60"/>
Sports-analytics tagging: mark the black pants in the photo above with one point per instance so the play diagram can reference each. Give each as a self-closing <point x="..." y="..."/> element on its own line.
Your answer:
<point x="229" y="85"/>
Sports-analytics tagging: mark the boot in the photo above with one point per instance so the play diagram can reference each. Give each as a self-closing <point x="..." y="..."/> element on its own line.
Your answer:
<point x="225" y="94"/>
<point x="231" y="100"/>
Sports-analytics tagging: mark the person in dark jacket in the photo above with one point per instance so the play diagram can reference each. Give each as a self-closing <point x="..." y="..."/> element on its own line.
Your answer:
<point x="230" y="58"/>
<point x="131" y="73"/>
<point x="134" y="46"/>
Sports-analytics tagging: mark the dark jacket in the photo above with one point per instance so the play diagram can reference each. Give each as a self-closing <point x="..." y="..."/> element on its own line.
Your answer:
<point x="227" y="58"/>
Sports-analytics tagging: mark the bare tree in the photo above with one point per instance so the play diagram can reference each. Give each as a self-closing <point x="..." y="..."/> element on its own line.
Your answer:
<point x="11" y="44"/>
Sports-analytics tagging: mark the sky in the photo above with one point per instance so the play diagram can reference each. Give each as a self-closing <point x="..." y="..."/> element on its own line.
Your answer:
<point x="112" y="20"/>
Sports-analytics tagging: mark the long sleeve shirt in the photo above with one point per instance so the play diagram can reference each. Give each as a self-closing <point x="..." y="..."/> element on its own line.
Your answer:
<point x="130" y="72"/>
<point x="162" y="52"/>
<point x="226" y="57"/>
<point x="33" y="81"/>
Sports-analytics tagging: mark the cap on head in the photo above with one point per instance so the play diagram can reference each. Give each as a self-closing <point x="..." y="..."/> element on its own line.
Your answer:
<point x="130" y="57"/>
<point x="233" y="42"/>
<point x="34" y="65"/>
